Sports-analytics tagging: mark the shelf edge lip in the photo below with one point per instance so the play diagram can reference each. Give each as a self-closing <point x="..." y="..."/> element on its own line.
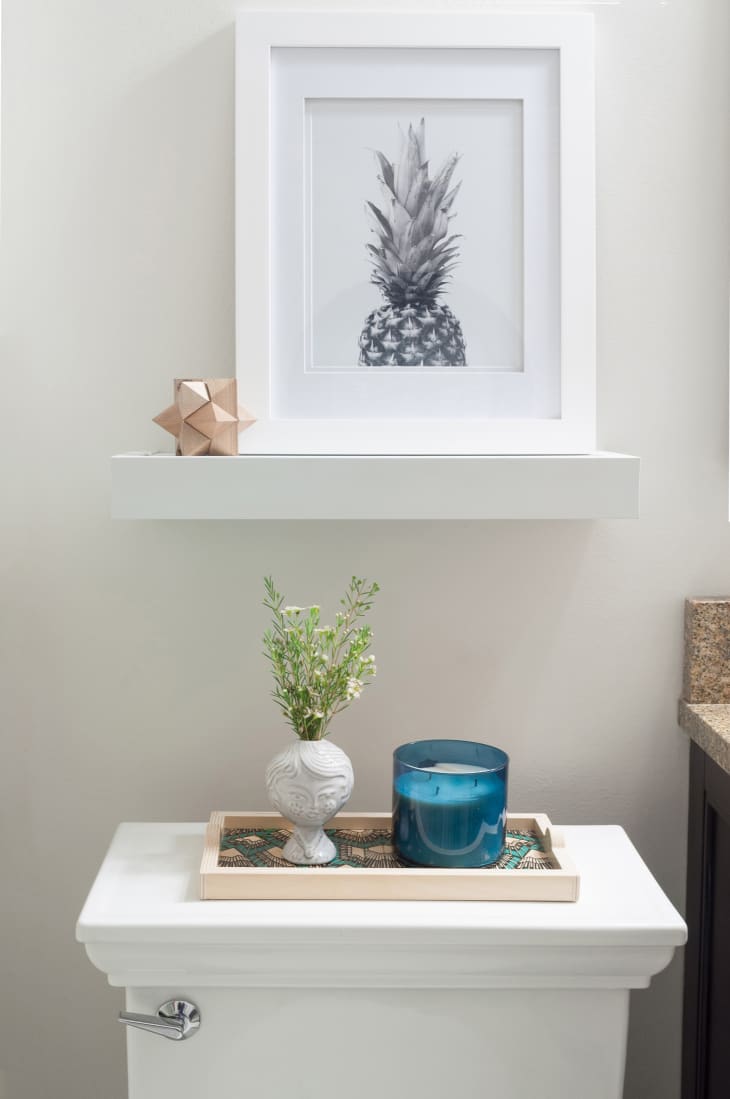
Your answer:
<point x="590" y="455"/>
<point x="376" y="487"/>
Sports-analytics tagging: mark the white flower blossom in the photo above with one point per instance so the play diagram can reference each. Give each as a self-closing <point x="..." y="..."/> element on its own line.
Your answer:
<point x="354" y="688"/>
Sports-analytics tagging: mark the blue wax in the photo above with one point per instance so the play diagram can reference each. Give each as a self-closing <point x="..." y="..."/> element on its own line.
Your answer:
<point x="451" y="820"/>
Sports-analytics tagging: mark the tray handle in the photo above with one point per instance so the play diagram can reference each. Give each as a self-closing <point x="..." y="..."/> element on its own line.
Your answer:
<point x="554" y="837"/>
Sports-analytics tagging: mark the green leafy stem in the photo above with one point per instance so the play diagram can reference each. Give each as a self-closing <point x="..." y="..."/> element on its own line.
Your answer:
<point x="319" y="670"/>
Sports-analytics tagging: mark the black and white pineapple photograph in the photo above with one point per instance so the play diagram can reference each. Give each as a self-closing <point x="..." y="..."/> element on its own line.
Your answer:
<point x="415" y="235"/>
<point x="413" y="259"/>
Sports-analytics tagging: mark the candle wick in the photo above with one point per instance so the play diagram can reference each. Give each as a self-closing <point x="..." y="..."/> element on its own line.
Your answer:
<point x="475" y="782"/>
<point x="437" y="791"/>
<point x="430" y="776"/>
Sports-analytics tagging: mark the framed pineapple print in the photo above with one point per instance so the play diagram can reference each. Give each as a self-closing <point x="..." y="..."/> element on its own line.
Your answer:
<point x="415" y="257"/>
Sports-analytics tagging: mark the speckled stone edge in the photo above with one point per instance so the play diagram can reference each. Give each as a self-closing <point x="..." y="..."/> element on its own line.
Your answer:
<point x="707" y="650"/>
<point x="709" y="727"/>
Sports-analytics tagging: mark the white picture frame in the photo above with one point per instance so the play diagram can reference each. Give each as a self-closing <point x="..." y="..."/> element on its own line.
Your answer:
<point x="290" y="63"/>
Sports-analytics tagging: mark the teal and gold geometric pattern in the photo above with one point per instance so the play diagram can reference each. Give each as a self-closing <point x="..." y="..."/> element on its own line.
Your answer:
<point x="370" y="848"/>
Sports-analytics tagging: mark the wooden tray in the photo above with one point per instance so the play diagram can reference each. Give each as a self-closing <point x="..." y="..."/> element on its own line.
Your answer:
<point x="535" y="867"/>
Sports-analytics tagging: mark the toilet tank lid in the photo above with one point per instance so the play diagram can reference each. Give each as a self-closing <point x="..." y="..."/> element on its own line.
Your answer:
<point x="147" y="892"/>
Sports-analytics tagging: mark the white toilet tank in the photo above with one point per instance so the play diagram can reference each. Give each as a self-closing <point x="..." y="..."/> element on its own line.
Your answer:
<point x="377" y="1000"/>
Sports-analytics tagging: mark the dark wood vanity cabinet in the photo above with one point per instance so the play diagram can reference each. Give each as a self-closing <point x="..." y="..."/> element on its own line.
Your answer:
<point x="706" y="1033"/>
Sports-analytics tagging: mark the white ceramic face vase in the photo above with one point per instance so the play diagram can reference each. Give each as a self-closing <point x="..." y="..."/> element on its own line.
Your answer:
<point x="308" y="783"/>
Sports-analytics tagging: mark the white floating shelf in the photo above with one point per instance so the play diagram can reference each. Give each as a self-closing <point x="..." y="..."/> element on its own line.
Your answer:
<point x="557" y="486"/>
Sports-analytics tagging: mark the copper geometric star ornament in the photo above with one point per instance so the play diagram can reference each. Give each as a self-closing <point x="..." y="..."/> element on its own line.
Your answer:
<point x="206" y="417"/>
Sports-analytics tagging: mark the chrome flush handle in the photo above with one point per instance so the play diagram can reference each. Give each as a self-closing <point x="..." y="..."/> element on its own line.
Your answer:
<point x="175" y="1019"/>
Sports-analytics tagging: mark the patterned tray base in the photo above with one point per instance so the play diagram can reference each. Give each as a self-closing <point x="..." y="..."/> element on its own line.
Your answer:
<point x="371" y="848"/>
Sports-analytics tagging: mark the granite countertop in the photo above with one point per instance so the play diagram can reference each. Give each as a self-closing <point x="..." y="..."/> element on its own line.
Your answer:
<point x="704" y="710"/>
<point x="708" y="726"/>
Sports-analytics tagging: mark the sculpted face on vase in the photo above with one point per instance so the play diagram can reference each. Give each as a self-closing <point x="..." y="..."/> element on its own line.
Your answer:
<point x="308" y="783"/>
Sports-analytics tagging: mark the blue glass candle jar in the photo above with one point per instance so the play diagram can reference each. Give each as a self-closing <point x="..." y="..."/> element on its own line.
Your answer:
<point x="449" y="802"/>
